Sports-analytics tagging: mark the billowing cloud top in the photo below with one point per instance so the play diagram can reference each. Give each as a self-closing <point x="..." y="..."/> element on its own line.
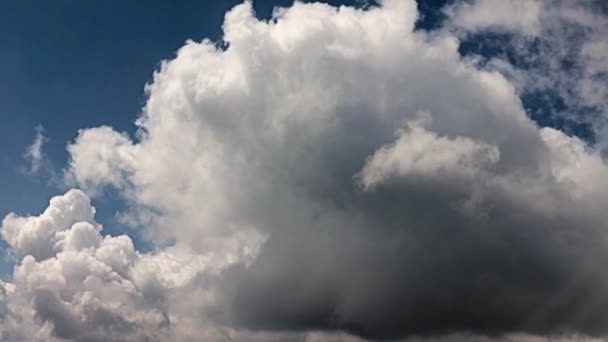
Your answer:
<point x="329" y="174"/>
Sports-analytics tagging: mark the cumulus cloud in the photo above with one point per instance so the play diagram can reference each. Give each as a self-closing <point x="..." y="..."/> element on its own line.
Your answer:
<point x="328" y="174"/>
<point x="73" y="283"/>
<point x="109" y="156"/>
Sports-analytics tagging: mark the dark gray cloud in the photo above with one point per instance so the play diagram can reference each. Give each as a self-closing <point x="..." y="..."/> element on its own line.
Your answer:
<point x="419" y="266"/>
<point x="49" y="308"/>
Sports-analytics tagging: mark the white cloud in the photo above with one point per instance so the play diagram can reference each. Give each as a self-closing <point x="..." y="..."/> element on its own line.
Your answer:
<point x="103" y="157"/>
<point x="36" y="236"/>
<point x="521" y="16"/>
<point x="418" y="152"/>
<point x="74" y="284"/>
<point x="244" y="173"/>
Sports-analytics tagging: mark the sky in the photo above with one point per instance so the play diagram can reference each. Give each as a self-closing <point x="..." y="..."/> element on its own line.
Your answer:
<point x="68" y="66"/>
<point x="276" y="171"/>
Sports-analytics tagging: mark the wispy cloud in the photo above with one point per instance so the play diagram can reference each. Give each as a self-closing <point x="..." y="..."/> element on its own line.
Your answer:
<point x="34" y="153"/>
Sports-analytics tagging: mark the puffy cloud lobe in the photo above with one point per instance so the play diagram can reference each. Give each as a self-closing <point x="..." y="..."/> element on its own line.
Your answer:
<point x="305" y="195"/>
<point x="36" y="236"/>
<point x="82" y="235"/>
<point x="70" y="280"/>
<point x="108" y="155"/>
<point x="423" y="153"/>
<point x="72" y="283"/>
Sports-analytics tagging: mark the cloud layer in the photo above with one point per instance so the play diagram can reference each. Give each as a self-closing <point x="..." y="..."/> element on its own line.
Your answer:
<point x="331" y="173"/>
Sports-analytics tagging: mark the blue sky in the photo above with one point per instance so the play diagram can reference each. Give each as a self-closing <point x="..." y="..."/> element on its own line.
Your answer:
<point x="69" y="65"/>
